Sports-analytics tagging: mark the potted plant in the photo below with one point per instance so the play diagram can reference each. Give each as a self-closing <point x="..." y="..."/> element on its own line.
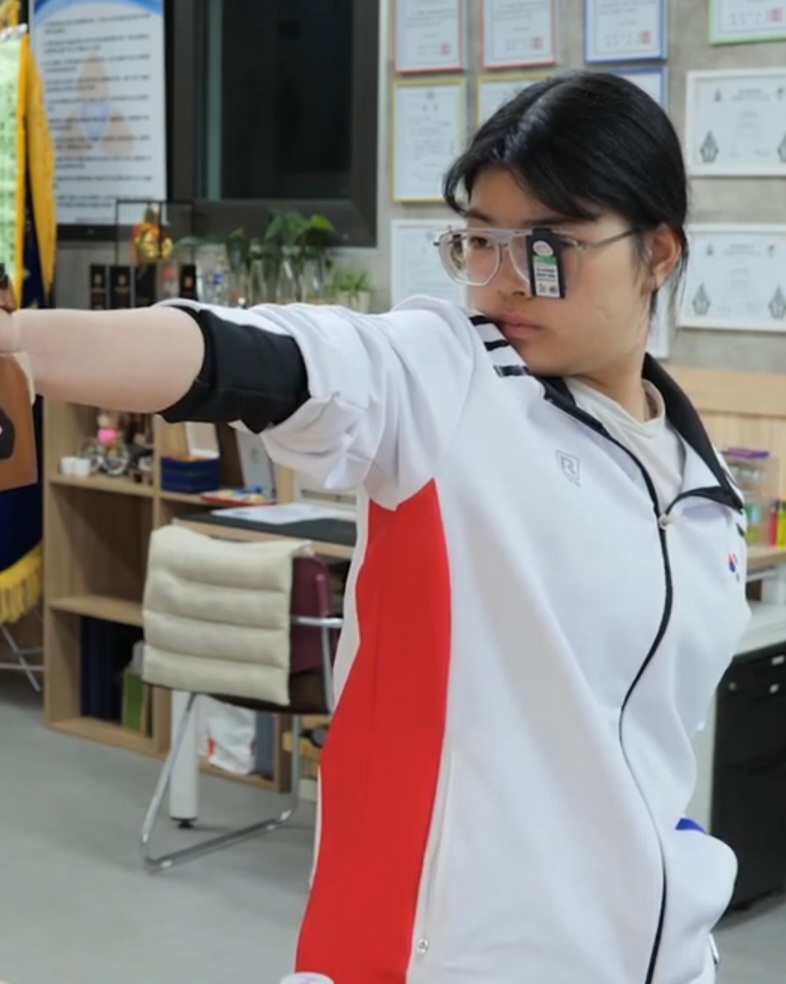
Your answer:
<point x="315" y="242"/>
<point x="351" y="286"/>
<point x="237" y="252"/>
<point x="264" y="261"/>
<point x="299" y="243"/>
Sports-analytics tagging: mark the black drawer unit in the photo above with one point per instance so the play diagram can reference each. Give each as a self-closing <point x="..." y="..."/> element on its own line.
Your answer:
<point x="749" y="772"/>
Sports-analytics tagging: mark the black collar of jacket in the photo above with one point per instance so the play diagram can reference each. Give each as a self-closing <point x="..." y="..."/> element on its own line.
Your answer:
<point x="681" y="414"/>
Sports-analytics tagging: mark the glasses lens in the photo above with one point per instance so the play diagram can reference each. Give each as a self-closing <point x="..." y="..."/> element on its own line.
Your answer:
<point x="470" y="257"/>
<point x="474" y="256"/>
<point x="570" y="259"/>
<point x="519" y="255"/>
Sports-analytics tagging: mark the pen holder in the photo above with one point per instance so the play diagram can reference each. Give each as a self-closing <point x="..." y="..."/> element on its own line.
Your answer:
<point x="756" y="473"/>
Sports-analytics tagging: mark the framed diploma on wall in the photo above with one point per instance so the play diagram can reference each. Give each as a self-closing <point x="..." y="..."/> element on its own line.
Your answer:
<point x="745" y="21"/>
<point x="415" y="266"/>
<point x="428" y="35"/>
<point x="736" y="278"/>
<point x="429" y="127"/>
<point x="736" y="122"/>
<point x="653" y="80"/>
<point x="493" y="91"/>
<point x="519" y="33"/>
<point x="625" y="30"/>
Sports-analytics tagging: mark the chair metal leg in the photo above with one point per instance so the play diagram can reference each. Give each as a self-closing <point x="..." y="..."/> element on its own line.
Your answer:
<point x="20" y="654"/>
<point x="162" y="862"/>
<point x="184" y="780"/>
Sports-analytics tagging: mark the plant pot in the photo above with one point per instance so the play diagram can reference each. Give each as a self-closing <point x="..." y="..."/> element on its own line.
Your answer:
<point x="360" y="302"/>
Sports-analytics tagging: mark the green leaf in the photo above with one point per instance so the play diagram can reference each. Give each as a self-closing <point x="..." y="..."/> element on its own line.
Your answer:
<point x="322" y="223"/>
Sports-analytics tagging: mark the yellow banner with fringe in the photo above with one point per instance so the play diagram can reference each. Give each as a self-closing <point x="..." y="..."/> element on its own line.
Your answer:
<point x="13" y="157"/>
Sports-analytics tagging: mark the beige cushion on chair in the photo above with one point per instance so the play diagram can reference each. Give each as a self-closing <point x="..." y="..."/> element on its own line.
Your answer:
<point x="217" y="614"/>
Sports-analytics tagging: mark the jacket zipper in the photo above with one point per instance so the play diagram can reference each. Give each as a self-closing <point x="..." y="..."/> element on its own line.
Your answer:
<point x="662" y="521"/>
<point x="715" y="495"/>
<point x="434" y="862"/>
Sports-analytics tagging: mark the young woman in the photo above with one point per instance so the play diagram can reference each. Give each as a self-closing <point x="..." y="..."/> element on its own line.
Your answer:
<point x="549" y="579"/>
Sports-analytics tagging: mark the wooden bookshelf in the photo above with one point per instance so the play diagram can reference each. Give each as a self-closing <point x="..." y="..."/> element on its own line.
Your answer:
<point x="96" y="534"/>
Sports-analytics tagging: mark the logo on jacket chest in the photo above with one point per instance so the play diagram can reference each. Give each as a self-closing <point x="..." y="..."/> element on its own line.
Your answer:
<point x="571" y="467"/>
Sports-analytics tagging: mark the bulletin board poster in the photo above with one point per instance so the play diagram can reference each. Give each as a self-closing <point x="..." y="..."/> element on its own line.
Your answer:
<point x="102" y="64"/>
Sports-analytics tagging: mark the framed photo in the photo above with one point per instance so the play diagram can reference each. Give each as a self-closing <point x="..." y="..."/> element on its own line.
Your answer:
<point x="428" y="36"/>
<point x="519" y="33"/>
<point x="736" y="122"/>
<point x="736" y="278"/>
<point x="625" y="30"/>
<point x="745" y="21"/>
<point x="429" y="128"/>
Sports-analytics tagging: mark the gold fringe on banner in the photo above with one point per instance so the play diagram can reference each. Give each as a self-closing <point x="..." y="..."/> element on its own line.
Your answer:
<point x="21" y="586"/>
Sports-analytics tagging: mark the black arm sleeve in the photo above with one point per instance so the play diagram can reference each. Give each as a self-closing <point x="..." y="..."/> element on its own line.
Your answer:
<point x="248" y="374"/>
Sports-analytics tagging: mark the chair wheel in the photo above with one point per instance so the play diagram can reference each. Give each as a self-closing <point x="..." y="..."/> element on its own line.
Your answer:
<point x="185" y="824"/>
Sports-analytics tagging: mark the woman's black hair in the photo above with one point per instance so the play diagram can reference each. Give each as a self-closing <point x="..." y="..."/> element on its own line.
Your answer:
<point x="582" y="143"/>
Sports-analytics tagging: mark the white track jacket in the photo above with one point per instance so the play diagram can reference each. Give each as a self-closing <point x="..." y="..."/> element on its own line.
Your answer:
<point x="530" y="646"/>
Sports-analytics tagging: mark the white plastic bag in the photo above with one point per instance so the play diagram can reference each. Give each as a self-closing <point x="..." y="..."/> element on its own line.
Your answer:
<point x="227" y="736"/>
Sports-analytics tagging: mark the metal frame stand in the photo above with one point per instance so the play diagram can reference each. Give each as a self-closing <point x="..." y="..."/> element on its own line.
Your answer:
<point x="22" y="665"/>
<point x="164" y="861"/>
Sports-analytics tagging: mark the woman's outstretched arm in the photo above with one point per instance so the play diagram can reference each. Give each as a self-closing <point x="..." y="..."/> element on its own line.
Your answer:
<point x="347" y="399"/>
<point x="141" y="360"/>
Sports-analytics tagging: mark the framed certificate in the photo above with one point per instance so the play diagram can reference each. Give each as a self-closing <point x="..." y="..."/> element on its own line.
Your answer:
<point x="428" y="35"/>
<point x="743" y="21"/>
<point x="519" y="33"/>
<point x="736" y="122"/>
<point x="736" y="278"/>
<point x="429" y="128"/>
<point x="625" y="30"/>
<point x="415" y="266"/>
<point x="494" y="91"/>
<point x="654" y="81"/>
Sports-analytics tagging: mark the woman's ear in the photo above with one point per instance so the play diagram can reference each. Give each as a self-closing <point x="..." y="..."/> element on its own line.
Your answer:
<point x="664" y="252"/>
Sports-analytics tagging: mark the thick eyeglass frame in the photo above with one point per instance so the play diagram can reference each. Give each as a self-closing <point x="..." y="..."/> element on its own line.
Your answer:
<point x="502" y="238"/>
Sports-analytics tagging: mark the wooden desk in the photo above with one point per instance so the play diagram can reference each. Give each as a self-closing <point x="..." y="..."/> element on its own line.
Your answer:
<point x="760" y="558"/>
<point x="337" y="551"/>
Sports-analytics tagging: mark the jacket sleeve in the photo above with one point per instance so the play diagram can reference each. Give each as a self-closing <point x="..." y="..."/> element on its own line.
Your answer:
<point x="350" y="400"/>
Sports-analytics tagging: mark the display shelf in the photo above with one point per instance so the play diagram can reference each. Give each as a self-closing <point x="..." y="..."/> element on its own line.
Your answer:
<point x="121" y="610"/>
<point x="95" y="565"/>
<point x="189" y="498"/>
<point x="106" y="733"/>
<point x="103" y="483"/>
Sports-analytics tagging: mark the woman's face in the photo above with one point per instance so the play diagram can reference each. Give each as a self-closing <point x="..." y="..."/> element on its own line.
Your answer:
<point x="603" y="322"/>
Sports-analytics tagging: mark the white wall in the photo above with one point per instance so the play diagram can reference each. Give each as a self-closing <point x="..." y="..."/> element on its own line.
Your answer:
<point x="741" y="200"/>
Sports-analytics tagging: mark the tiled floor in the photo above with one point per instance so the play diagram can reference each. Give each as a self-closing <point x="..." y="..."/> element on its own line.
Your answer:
<point x="76" y="906"/>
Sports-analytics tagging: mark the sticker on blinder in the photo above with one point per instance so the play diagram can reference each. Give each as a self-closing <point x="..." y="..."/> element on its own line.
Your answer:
<point x="545" y="264"/>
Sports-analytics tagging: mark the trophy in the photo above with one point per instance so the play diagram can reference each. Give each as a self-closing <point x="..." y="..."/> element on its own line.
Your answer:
<point x="18" y="464"/>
